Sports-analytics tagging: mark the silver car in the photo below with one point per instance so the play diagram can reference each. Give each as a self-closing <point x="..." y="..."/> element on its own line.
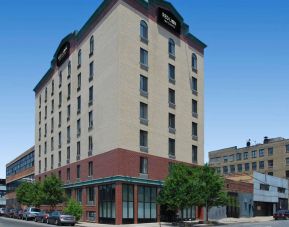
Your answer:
<point x="59" y="218"/>
<point x="30" y="213"/>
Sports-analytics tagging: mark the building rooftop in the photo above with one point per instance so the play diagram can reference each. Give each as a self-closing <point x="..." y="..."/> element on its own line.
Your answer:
<point x="31" y="149"/>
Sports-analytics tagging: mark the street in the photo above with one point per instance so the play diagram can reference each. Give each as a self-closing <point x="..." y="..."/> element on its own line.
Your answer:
<point x="279" y="223"/>
<point x="8" y="222"/>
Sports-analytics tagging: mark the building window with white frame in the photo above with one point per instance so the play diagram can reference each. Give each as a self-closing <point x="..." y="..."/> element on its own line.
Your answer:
<point x="90" y="120"/>
<point x="194" y="62"/>
<point x="172" y="146"/>
<point x="172" y="74"/>
<point x="79" y="82"/>
<point x="143" y="140"/>
<point x="194" y="154"/>
<point x="90" y="145"/>
<point x="90" y="96"/>
<point x="78" y="150"/>
<point x="90" y="168"/>
<point x="91" y="46"/>
<point x="172" y="48"/>
<point x="79" y="59"/>
<point x="143" y="165"/>
<point x="143" y="85"/>
<point x="144" y="31"/>
<point x="68" y="69"/>
<point x="143" y="113"/>
<point x="144" y="58"/>
<point x="78" y="127"/>
<point x="91" y="70"/>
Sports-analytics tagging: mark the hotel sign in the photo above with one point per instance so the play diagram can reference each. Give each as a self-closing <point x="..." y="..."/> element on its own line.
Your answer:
<point x="169" y="21"/>
<point x="63" y="53"/>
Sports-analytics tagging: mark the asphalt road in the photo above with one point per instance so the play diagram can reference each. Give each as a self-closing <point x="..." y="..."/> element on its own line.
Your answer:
<point x="279" y="223"/>
<point x="9" y="222"/>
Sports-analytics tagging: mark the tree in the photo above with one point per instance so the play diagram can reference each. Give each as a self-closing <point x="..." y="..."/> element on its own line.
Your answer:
<point x="30" y="194"/>
<point x="74" y="208"/>
<point x="53" y="192"/>
<point x="209" y="188"/>
<point x="186" y="186"/>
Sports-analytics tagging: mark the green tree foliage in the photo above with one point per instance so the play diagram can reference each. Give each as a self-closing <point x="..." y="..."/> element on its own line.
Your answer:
<point x="186" y="186"/>
<point x="53" y="192"/>
<point x="74" y="208"/>
<point x="48" y="192"/>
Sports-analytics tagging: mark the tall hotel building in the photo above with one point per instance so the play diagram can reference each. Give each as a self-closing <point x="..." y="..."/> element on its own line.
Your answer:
<point x="123" y="99"/>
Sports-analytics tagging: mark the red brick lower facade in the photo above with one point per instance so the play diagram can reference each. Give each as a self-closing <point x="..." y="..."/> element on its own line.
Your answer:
<point x="116" y="192"/>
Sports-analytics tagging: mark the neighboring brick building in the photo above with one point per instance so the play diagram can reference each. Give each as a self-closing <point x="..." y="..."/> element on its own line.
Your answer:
<point x="20" y="170"/>
<point x="122" y="100"/>
<point x="270" y="157"/>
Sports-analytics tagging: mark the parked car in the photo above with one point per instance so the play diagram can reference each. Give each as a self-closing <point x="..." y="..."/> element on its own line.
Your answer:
<point x="41" y="217"/>
<point x="30" y="213"/>
<point x="10" y="213"/>
<point x="18" y="214"/>
<point x="59" y="218"/>
<point x="281" y="214"/>
<point x="2" y="211"/>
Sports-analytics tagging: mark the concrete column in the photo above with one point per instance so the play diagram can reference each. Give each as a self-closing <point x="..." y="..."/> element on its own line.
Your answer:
<point x="135" y="203"/>
<point x="118" y="203"/>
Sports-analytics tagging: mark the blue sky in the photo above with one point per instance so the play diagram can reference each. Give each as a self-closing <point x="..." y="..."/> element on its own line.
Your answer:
<point x="246" y="65"/>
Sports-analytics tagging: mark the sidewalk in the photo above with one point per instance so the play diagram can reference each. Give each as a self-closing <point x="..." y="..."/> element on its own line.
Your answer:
<point x="86" y="224"/>
<point x="245" y="220"/>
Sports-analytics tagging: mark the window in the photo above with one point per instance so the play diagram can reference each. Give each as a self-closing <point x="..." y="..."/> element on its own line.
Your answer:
<point x="194" y="129"/>
<point x="79" y="195"/>
<point x="172" y="100"/>
<point x="52" y="144"/>
<point x="68" y="174"/>
<point x="147" y="204"/>
<point x="254" y="165"/>
<point x="239" y="166"/>
<point x="59" y="119"/>
<point x="232" y="168"/>
<point x="59" y="140"/>
<point x="281" y="190"/>
<point x="78" y="150"/>
<point x="39" y="134"/>
<point x="143" y="165"/>
<point x="68" y="112"/>
<point x="91" y="46"/>
<point x="45" y="112"/>
<point x="171" y="73"/>
<point x="78" y="104"/>
<point x="79" y="58"/>
<point x="39" y="164"/>
<point x="143" y="139"/>
<point x="52" y="87"/>
<point x="287" y="148"/>
<point x="270" y="151"/>
<point x="231" y="158"/>
<point x="90" y="144"/>
<point x="45" y="164"/>
<point x="68" y="155"/>
<point x="90" y="196"/>
<point x="264" y="187"/>
<point x="69" y="69"/>
<point x="194" y="108"/>
<point x="90" y="169"/>
<point x="143" y="30"/>
<point x="254" y="154"/>
<point x="45" y="96"/>
<point x="106" y="202"/>
<point x="91" y="70"/>
<point x="143" y="113"/>
<point x="127" y="202"/>
<point x="45" y="130"/>
<point x="78" y="172"/>
<point x="60" y="78"/>
<point x="261" y="164"/>
<point x="143" y="84"/>
<point x="79" y="82"/>
<point x="68" y="134"/>
<point x="39" y="151"/>
<point x="52" y="161"/>
<point x="68" y="91"/>
<point x="194" y="84"/>
<point x="172" y="147"/>
<point x="78" y="127"/>
<point x="287" y="161"/>
<point x="225" y="169"/>
<point x="143" y="57"/>
<point x="171" y="47"/>
<point x="194" y="154"/>
<point x="52" y="105"/>
<point x="90" y="120"/>
<point x="225" y="159"/>
<point x="39" y="101"/>
<point x="261" y="152"/>
<point x="39" y="117"/>
<point x="270" y="163"/>
<point x="245" y="155"/>
<point x="59" y="99"/>
<point x="194" y="62"/>
<point x="59" y="158"/>
<point x="172" y="121"/>
<point x="238" y="156"/>
<point x="247" y="166"/>
<point x="90" y="97"/>
<point x="45" y="147"/>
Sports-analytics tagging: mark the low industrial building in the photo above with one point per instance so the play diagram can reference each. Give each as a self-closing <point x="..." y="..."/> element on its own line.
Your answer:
<point x="2" y="193"/>
<point x="20" y="170"/>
